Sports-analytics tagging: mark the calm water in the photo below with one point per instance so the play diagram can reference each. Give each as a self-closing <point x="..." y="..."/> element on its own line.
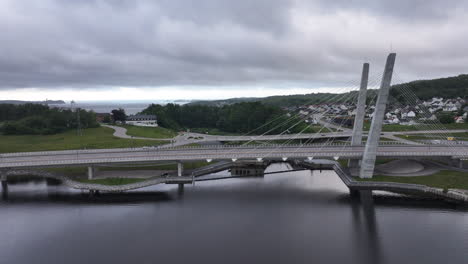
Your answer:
<point x="130" y="108"/>
<point x="299" y="217"/>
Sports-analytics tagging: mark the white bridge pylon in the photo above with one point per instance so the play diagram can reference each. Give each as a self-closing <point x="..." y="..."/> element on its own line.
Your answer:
<point x="370" y="151"/>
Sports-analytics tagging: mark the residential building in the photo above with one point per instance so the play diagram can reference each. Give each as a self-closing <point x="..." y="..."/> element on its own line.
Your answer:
<point x="142" y="120"/>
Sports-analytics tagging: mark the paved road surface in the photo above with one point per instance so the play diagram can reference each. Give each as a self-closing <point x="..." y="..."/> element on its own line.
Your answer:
<point x="188" y="137"/>
<point x="109" y="156"/>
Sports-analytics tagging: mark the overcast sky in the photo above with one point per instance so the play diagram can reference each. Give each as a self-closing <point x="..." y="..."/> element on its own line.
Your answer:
<point x="207" y="49"/>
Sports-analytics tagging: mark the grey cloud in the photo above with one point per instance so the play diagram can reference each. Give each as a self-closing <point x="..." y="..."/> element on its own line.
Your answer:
<point x="402" y="9"/>
<point x="89" y="44"/>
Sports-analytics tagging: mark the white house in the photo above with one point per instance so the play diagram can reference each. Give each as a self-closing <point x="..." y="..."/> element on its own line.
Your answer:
<point x="450" y="108"/>
<point x="142" y="120"/>
<point x="394" y="120"/>
<point x="459" y="120"/>
<point x="410" y="114"/>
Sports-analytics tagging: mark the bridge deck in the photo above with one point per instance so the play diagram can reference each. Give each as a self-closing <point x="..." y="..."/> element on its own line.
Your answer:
<point x="109" y="156"/>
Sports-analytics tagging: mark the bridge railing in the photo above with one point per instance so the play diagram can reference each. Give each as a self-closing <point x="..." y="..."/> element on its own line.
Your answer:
<point x="211" y="147"/>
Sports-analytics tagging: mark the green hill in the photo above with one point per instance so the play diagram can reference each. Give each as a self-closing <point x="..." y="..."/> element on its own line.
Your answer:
<point x="450" y="87"/>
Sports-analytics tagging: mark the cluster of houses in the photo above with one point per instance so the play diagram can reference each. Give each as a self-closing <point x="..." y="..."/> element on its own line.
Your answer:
<point x="422" y="111"/>
<point x="134" y="120"/>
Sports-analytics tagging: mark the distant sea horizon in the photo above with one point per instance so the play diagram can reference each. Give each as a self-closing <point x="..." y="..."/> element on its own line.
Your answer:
<point x="131" y="107"/>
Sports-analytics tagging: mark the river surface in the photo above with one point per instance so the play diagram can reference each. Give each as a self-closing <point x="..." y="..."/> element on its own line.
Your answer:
<point x="295" y="217"/>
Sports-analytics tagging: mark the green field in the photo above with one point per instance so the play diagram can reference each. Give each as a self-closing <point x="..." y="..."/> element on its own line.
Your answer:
<point x="168" y="166"/>
<point x="149" y="132"/>
<point x="113" y="181"/>
<point x="217" y="132"/>
<point x="444" y="179"/>
<point x="91" y="138"/>
<point x="458" y="136"/>
<point x="213" y="131"/>
<point x="398" y="128"/>
<point x="82" y="171"/>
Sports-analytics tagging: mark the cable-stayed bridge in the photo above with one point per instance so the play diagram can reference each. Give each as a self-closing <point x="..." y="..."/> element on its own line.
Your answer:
<point x="361" y="154"/>
<point x="314" y="136"/>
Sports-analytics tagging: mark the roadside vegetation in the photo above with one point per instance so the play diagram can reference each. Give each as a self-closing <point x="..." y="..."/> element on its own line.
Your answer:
<point x="168" y="166"/>
<point x="91" y="138"/>
<point x="82" y="171"/>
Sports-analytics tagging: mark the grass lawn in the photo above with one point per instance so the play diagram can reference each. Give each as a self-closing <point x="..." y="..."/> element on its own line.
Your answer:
<point x="398" y="128"/>
<point x="213" y="131"/>
<point x="173" y="166"/>
<point x="444" y="179"/>
<point x="81" y="171"/>
<point x="92" y="138"/>
<point x="382" y="138"/>
<point x="112" y="181"/>
<point x="458" y="136"/>
<point x="149" y="132"/>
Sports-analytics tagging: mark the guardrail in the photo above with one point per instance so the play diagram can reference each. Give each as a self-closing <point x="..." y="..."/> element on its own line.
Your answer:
<point x="155" y="149"/>
<point x="220" y="156"/>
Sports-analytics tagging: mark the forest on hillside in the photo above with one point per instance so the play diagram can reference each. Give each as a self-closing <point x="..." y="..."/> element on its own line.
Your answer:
<point x="450" y="87"/>
<point x="235" y="118"/>
<point x="38" y="119"/>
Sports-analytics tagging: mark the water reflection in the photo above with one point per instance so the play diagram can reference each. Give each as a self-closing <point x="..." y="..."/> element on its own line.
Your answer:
<point x="4" y="190"/>
<point x="298" y="217"/>
<point x="366" y="227"/>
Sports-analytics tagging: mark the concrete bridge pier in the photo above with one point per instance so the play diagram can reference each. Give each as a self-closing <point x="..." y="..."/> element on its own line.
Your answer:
<point x="180" y="168"/>
<point x="460" y="163"/>
<point x="364" y="196"/>
<point x="3" y="178"/>
<point x="93" y="193"/>
<point x="353" y="193"/>
<point x="180" y="172"/>
<point x="91" y="172"/>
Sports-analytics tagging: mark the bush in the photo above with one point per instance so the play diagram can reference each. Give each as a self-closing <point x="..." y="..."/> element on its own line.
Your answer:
<point x="446" y="118"/>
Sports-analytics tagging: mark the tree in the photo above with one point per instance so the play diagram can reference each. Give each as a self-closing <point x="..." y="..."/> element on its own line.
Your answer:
<point x="34" y="119"/>
<point x="237" y="118"/>
<point x="106" y="119"/>
<point x="446" y="118"/>
<point x="119" y="115"/>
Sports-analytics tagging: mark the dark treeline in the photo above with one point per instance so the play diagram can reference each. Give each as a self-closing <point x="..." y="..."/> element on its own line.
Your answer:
<point x="36" y="119"/>
<point x="451" y="87"/>
<point x="235" y="118"/>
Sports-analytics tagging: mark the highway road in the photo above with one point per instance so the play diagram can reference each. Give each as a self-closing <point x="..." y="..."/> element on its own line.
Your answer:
<point x="145" y="155"/>
<point x="188" y="137"/>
